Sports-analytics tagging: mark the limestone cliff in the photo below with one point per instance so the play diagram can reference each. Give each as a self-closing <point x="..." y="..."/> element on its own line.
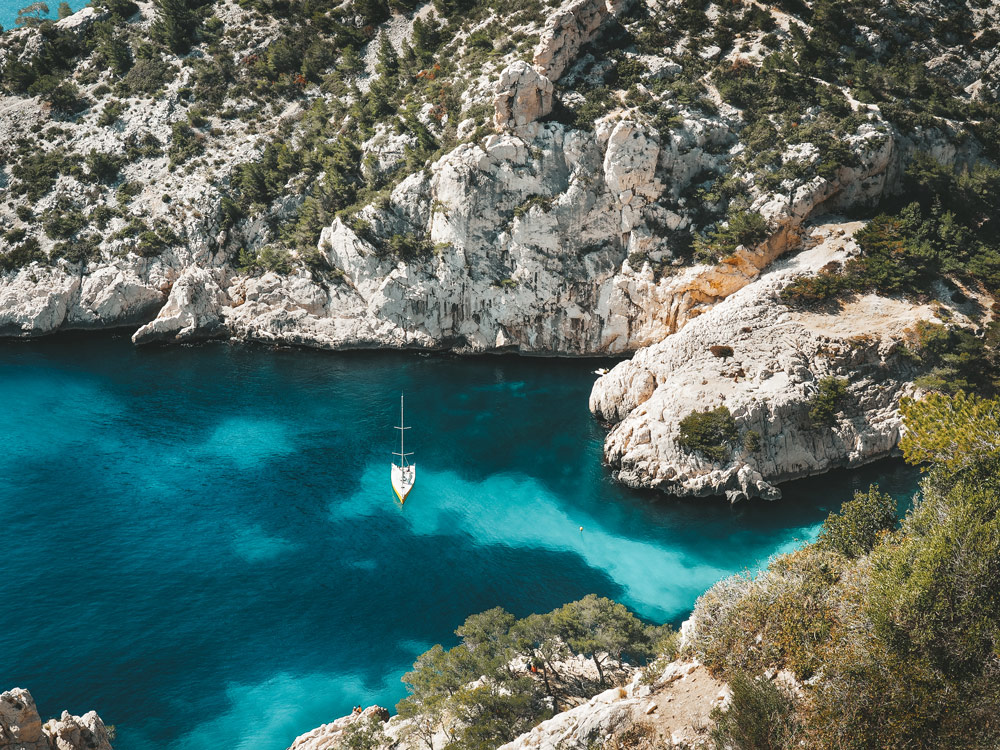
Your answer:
<point x="763" y="361"/>
<point x="567" y="179"/>
<point x="21" y="727"/>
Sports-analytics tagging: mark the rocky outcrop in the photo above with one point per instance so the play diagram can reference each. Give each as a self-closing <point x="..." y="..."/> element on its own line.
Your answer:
<point x="673" y="703"/>
<point x="41" y="299"/>
<point x="766" y="374"/>
<point x="193" y="310"/>
<point x="21" y="727"/>
<point x="523" y="95"/>
<point x="330" y="736"/>
<point x="565" y="32"/>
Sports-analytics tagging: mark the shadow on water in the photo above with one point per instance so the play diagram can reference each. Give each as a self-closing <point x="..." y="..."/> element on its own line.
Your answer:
<point x="208" y="531"/>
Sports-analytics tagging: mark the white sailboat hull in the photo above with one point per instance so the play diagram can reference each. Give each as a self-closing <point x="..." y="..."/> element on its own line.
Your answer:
<point x="403" y="479"/>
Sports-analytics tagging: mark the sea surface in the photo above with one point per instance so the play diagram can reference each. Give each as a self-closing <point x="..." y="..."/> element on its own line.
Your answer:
<point x="201" y="543"/>
<point x="9" y="9"/>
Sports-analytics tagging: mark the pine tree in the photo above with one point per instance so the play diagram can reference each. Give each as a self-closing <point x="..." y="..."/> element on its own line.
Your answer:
<point x="32" y="15"/>
<point x="388" y="61"/>
<point x="425" y="39"/>
<point x="175" y="25"/>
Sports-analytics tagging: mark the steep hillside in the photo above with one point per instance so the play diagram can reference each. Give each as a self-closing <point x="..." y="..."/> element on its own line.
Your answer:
<point x="575" y="178"/>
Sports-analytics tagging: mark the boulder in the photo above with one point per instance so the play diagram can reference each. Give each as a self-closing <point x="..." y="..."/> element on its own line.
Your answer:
<point x="566" y="31"/>
<point x="193" y="310"/>
<point x="329" y="736"/>
<point x="20" y="725"/>
<point x="522" y="97"/>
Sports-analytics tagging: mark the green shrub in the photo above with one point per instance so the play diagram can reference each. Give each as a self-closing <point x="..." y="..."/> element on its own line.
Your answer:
<point x="66" y="98"/>
<point x="37" y="172"/>
<point x="13" y="236"/>
<point x="103" y="167"/>
<point x="364" y="734"/>
<point x="268" y="258"/>
<point x="113" y="50"/>
<point x="760" y="716"/>
<point x="185" y="143"/>
<point x="149" y="74"/>
<point x="154" y="241"/>
<point x="708" y="432"/>
<point x="825" y="404"/>
<point x="19" y="256"/>
<point x="751" y="441"/>
<point x="80" y="249"/>
<point x="145" y="146"/>
<point x="175" y="25"/>
<point x="121" y="10"/>
<point x="953" y="359"/>
<point x="742" y="228"/>
<point x="63" y="220"/>
<point x="407" y="247"/>
<point x="807" y="291"/>
<point x="110" y="114"/>
<point x="856" y="529"/>
<point x="127" y="191"/>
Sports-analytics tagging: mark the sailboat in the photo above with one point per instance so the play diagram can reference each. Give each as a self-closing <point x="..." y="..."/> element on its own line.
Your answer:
<point x="405" y="474"/>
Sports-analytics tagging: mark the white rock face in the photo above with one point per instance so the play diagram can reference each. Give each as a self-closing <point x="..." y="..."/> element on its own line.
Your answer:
<point x="21" y="727"/>
<point x="85" y="732"/>
<point x="329" y="736"/>
<point x="565" y="32"/>
<point x="523" y="95"/>
<point x="41" y="299"/>
<point x="778" y="357"/>
<point x="193" y="310"/>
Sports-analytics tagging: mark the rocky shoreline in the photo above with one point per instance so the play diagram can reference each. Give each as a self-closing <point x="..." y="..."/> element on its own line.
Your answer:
<point x="540" y="238"/>
<point x="21" y="727"/>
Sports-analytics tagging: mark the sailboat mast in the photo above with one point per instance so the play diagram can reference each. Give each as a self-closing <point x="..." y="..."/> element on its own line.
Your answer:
<point x="402" y="453"/>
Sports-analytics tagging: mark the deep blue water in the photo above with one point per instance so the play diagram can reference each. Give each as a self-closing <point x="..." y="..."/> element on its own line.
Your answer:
<point x="9" y="9"/>
<point x="202" y="544"/>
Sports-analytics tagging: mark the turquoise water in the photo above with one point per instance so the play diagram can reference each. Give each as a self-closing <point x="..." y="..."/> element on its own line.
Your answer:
<point x="9" y="9"/>
<point x="201" y="543"/>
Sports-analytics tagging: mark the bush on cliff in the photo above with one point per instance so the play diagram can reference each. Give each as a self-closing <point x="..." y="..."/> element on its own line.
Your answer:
<point x="948" y="230"/>
<point x="709" y="432"/>
<point x="826" y="401"/>
<point x="856" y="529"/>
<point x="901" y="627"/>
<point x="742" y="228"/>
<point x="761" y="716"/>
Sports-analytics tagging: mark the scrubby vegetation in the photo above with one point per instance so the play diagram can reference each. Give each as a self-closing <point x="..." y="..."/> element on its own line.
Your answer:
<point x="290" y="77"/>
<point x="826" y="401"/>
<point x="760" y="716"/>
<point x="507" y="675"/>
<point x="709" y="432"/>
<point x="949" y="231"/>
<point x="898" y="622"/>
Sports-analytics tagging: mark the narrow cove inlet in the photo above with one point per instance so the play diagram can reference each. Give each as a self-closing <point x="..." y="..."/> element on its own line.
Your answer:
<point x="203" y="544"/>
